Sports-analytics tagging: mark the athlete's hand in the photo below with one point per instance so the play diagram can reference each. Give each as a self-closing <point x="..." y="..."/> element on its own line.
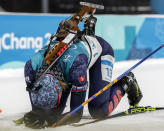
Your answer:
<point x="34" y="121"/>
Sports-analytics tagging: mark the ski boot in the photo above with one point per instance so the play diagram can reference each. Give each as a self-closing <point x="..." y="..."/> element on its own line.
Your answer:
<point x="132" y="89"/>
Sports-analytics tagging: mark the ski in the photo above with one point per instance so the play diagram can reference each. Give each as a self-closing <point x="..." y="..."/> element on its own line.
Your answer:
<point x="130" y="111"/>
<point x="19" y="121"/>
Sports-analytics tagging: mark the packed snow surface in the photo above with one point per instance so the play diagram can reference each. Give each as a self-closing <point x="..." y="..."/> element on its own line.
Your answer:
<point x="14" y="100"/>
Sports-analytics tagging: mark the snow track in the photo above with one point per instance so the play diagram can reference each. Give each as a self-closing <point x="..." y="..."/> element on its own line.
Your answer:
<point x="14" y="101"/>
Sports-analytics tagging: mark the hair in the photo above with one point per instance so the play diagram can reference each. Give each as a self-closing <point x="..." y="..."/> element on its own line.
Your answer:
<point x="63" y="84"/>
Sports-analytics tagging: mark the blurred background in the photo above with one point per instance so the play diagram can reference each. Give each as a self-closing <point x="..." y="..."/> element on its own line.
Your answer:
<point x="71" y="6"/>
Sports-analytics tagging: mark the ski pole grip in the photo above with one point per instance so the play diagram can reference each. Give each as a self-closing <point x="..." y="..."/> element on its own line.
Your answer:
<point x="62" y="121"/>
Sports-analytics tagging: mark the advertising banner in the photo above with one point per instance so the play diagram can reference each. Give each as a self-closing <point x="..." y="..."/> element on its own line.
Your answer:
<point x="132" y="37"/>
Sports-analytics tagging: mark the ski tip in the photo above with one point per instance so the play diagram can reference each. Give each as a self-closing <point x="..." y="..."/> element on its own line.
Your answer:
<point x="19" y="121"/>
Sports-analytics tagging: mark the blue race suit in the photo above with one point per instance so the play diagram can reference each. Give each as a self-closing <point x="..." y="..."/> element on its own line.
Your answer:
<point x="75" y="63"/>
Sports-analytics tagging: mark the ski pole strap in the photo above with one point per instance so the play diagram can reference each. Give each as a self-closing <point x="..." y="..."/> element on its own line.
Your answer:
<point x="105" y="88"/>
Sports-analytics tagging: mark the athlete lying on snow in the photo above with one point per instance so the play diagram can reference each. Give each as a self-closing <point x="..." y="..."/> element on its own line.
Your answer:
<point x="82" y="66"/>
<point x="50" y="101"/>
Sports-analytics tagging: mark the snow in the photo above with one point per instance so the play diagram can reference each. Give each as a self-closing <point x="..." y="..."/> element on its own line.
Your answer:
<point x="14" y="100"/>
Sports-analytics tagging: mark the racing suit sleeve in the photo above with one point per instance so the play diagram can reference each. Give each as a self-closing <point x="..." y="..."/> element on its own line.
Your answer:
<point x="78" y="75"/>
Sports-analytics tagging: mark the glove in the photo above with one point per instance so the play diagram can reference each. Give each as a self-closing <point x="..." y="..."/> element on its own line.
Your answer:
<point x="34" y="121"/>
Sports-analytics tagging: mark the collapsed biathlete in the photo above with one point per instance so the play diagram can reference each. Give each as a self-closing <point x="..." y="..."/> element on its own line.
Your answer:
<point x="87" y="64"/>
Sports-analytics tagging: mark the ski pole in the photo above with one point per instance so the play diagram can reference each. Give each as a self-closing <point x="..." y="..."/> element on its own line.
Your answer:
<point x="66" y="117"/>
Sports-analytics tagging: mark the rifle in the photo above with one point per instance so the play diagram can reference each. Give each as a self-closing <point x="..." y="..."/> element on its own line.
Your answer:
<point x="67" y="34"/>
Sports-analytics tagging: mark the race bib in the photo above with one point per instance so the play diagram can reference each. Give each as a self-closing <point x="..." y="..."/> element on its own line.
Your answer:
<point x="107" y="62"/>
